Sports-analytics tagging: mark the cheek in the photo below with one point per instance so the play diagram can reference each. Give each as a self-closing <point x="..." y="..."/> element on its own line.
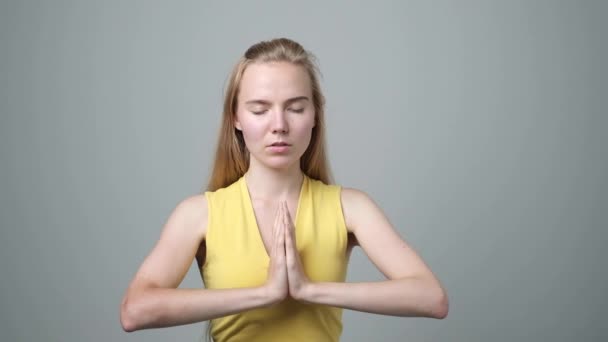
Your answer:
<point x="309" y="127"/>
<point x="252" y="132"/>
<point x="304" y="136"/>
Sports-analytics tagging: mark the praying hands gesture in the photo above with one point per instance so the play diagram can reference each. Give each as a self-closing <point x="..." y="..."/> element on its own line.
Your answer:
<point x="286" y="275"/>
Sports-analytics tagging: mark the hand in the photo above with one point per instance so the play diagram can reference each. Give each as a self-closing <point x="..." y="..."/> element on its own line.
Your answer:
<point x="298" y="281"/>
<point x="277" y="287"/>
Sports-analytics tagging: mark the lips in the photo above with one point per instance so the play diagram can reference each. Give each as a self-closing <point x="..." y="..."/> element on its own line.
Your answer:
<point x="280" y="144"/>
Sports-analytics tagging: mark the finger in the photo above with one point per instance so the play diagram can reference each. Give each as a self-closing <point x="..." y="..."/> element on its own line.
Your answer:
<point x="276" y="231"/>
<point x="283" y="217"/>
<point x="285" y="222"/>
<point x="286" y="214"/>
<point x="292" y="251"/>
<point x="282" y="232"/>
<point x="289" y="248"/>
<point x="288" y="223"/>
<point x="287" y="235"/>
<point x="292" y="226"/>
<point x="277" y="217"/>
<point x="286" y="208"/>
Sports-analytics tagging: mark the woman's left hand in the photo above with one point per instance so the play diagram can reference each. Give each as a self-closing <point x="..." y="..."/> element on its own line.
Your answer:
<point x="298" y="281"/>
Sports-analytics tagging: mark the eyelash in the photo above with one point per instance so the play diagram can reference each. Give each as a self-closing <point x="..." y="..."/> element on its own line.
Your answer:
<point x="293" y="110"/>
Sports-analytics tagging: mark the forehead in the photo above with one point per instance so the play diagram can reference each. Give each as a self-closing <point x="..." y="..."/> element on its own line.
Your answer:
<point x="274" y="81"/>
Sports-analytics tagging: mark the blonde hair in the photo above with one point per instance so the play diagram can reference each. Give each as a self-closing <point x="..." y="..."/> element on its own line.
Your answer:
<point x="231" y="156"/>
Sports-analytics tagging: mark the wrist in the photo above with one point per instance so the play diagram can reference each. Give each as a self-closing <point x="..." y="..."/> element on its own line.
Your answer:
<point x="266" y="295"/>
<point x="269" y="296"/>
<point x="307" y="292"/>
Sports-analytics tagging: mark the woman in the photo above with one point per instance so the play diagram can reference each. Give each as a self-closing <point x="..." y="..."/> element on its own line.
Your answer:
<point x="272" y="236"/>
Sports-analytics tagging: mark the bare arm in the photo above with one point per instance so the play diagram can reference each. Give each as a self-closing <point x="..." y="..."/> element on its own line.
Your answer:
<point x="407" y="297"/>
<point x="153" y="300"/>
<point x="411" y="289"/>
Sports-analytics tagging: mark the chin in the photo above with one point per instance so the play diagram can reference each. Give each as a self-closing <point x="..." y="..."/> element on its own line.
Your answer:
<point x="276" y="162"/>
<point x="279" y="165"/>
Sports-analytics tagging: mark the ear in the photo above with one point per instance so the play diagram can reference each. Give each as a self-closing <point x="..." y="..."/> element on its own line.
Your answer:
<point x="237" y="124"/>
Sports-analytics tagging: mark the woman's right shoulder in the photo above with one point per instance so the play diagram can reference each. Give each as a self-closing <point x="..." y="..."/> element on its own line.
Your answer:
<point x="193" y="212"/>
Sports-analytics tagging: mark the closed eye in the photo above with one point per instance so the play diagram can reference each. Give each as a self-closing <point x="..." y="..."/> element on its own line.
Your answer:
<point x="299" y="110"/>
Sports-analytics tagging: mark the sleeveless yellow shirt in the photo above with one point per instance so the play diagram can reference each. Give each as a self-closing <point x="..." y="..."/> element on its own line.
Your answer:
<point x="236" y="258"/>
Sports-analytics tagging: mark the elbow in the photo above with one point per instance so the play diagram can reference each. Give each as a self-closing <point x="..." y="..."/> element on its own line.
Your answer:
<point x="127" y="316"/>
<point x="139" y="310"/>
<point x="135" y="313"/>
<point x="441" y="305"/>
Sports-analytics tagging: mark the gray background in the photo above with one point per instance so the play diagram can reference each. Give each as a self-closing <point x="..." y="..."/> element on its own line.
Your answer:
<point x="479" y="127"/>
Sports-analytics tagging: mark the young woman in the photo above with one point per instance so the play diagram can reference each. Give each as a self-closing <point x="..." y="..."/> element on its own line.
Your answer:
<point x="272" y="234"/>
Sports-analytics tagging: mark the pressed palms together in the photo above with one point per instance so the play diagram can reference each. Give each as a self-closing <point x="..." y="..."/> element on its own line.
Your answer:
<point x="286" y="275"/>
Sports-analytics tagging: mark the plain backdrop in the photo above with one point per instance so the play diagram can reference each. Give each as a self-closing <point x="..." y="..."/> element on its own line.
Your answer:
<point x="479" y="127"/>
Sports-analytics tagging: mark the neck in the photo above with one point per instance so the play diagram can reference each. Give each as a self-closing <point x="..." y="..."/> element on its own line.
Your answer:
<point x="274" y="184"/>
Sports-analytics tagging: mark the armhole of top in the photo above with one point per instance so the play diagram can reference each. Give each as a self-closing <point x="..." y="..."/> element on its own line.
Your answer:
<point x="342" y="219"/>
<point x="208" y="229"/>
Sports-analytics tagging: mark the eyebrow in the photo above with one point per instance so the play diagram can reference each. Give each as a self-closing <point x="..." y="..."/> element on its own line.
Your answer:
<point x="288" y="101"/>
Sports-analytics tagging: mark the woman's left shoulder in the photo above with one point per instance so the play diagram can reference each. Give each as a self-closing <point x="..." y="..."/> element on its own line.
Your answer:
<point x="356" y="204"/>
<point x="356" y="198"/>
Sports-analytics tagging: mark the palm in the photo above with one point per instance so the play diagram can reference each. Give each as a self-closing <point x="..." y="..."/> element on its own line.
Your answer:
<point x="286" y="273"/>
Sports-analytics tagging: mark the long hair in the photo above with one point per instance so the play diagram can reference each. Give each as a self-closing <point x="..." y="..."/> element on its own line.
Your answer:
<point x="231" y="156"/>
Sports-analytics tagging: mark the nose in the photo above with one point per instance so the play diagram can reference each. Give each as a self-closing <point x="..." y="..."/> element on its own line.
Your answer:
<point x="279" y="122"/>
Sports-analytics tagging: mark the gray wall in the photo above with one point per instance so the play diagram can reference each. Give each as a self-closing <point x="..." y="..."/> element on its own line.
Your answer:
<point x="479" y="127"/>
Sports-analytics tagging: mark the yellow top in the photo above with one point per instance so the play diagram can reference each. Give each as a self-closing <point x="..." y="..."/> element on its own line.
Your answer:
<point x="236" y="258"/>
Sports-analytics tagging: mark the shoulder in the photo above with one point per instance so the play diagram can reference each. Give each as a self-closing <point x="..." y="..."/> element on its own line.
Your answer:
<point x="195" y="205"/>
<point x="356" y="204"/>
<point x="354" y="198"/>
<point x="192" y="212"/>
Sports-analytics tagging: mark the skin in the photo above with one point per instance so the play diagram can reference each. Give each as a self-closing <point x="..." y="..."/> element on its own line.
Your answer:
<point x="153" y="300"/>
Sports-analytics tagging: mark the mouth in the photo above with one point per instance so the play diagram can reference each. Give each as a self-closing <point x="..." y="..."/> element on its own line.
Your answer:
<point x="279" y="147"/>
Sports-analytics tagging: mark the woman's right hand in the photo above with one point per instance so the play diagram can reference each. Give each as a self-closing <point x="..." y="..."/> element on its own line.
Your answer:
<point x="277" y="285"/>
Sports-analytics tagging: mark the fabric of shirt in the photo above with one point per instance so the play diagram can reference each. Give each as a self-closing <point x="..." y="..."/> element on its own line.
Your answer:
<point x="236" y="258"/>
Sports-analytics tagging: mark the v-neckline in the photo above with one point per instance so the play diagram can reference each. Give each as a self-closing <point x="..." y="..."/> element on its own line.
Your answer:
<point x="251" y="212"/>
